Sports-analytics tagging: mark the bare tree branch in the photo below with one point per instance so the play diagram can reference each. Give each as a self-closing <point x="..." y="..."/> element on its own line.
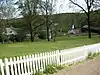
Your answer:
<point x="91" y="3"/>
<point x="78" y="6"/>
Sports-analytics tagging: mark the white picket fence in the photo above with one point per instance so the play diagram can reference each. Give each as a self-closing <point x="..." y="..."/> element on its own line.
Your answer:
<point x="28" y="65"/>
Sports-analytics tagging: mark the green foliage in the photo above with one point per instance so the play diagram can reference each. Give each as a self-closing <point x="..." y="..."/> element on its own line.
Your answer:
<point x="98" y="53"/>
<point x="20" y="36"/>
<point x="42" y="35"/>
<point x="38" y="73"/>
<point x="50" y="69"/>
<point x="92" y="55"/>
<point x="4" y="37"/>
<point x="12" y="37"/>
<point x="0" y="39"/>
<point x="59" y="67"/>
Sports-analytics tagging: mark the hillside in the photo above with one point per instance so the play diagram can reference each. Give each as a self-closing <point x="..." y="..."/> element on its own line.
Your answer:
<point x="64" y="20"/>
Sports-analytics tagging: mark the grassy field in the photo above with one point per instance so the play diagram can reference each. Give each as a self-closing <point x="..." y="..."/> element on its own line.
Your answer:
<point x="20" y="49"/>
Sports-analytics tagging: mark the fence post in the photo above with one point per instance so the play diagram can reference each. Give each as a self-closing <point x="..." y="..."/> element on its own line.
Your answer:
<point x="7" y="67"/>
<point x="1" y="67"/>
<point x="19" y="70"/>
<point x="12" y="70"/>
<point x="33" y="62"/>
<point x="85" y="52"/>
<point x="36" y="62"/>
<point x="58" y="57"/>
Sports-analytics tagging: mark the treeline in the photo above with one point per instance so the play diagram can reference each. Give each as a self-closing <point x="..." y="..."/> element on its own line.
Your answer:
<point x="38" y="16"/>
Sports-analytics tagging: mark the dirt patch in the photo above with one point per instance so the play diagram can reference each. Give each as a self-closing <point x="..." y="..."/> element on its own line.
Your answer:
<point x="91" y="67"/>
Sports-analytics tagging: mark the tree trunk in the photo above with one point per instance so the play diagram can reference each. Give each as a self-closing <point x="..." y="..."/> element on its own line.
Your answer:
<point x="48" y="32"/>
<point x="31" y="32"/>
<point x="89" y="27"/>
<point x="47" y="25"/>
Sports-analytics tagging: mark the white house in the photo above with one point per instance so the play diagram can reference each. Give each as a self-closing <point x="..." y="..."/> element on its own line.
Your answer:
<point x="11" y="30"/>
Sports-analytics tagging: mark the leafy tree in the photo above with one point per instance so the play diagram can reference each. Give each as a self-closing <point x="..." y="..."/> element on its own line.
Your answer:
<point x="89" y="6"/>
<point x="30" y="12"/>
<point x="7" y="11"/>
<point x="47" y="9"/>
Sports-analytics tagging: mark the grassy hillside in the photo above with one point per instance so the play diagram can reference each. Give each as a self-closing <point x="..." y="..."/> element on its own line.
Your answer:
<point x="66" y="20"/>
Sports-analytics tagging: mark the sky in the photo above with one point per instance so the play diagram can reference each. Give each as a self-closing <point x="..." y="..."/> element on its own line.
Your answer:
<point x="63" y="6"/>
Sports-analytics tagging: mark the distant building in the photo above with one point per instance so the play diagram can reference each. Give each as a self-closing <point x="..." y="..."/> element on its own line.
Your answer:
<point x="73" y="27"/>
<point x="11" y="30"/>
<point x="74" y="30"/>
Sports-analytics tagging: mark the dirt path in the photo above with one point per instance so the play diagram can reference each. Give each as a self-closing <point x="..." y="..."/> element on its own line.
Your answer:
<point x="91" y="67"/>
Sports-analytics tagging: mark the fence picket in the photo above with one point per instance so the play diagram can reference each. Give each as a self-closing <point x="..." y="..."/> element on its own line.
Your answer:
<point x="36" y="63"/>
<point x="1" y="67"/>
<point x="58" y="58"/>
<point x="21" y="63"/>
<point x="11" y="64"/>
<point x="27" y="63"/>
<point x="46" y="57"/>
<point x="33" y="63"/>
<point x="30" y="64"/>
<point x="41" y="62"/>
<point x="24" y="59"/>
<point x="50" y="58"/>
<point x="15" y="67"/>
<point x="19" y="69"/>
<point x="7" y="67"/>
<point x="44" y="60"/>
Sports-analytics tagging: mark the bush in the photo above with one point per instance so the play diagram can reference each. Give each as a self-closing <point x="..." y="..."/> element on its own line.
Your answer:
<point x="42" y="35"/>
<point x="0" y="39"/>
<point x="38" y="73"/>
<point x="4" y="38"/>
<point x="90" y="56"/>
<point x="50" y="69"/>
<point x="12" y="37"/>
<point x="59" y="67"/>
<point x="20" y="36"/>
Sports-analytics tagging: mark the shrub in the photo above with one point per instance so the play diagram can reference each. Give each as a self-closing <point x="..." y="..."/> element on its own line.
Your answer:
<point x="20" y="36"/>
<point x="90" y="56"/>
<point x="50" y="69"/>
<point x="59" y="67"/>
<point x="4" y="37"/>
<point x="38" y="73"/>
<point x="0" y="39"/>
<point x="12" y="37"/>
<point x="94" y="54"/>
<point x="42" y="35"/>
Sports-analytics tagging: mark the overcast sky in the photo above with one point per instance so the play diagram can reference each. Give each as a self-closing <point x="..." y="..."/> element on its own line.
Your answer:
<point x="63" y="6"/>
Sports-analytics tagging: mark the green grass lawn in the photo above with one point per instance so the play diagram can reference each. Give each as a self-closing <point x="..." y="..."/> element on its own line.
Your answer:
<point x="20" y="49"/>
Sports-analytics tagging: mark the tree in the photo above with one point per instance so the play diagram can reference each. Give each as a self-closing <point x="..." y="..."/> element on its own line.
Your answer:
<point x="30" y="12"/>
<point x="48" y="8"/>
<point x="89" y="5"/>
<point x="7" y="11"/>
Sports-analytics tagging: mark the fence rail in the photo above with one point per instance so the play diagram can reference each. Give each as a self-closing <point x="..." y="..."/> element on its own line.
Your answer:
<point x="29" y="64"/>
